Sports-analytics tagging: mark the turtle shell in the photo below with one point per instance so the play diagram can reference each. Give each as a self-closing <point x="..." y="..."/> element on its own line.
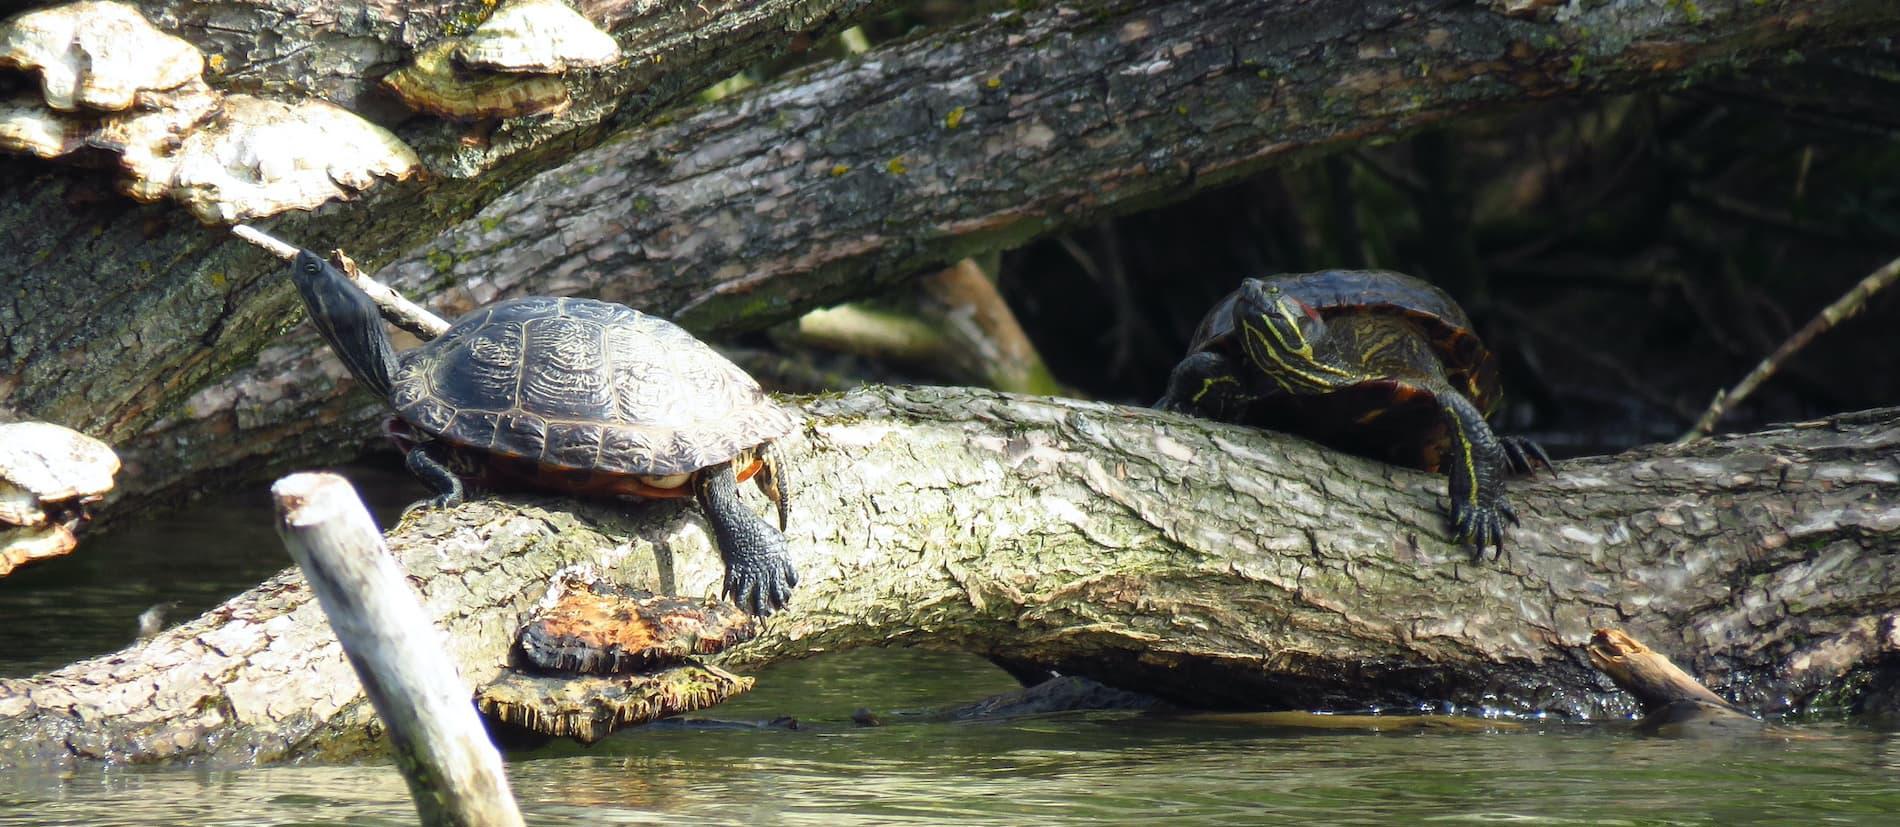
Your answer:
<point x="1388" y="417"/>
<point x="1335" y="294"/>
<point x="584" y="385"/>
<point x="1469" y="365"/>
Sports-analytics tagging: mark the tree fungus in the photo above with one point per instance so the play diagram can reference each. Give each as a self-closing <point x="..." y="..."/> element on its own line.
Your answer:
<point x="509" y="66"/>
<point x="99" y="55"/>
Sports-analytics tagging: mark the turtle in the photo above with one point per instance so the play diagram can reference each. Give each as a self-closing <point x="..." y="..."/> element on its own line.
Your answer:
<point x="575" y="395"/>
<point x="1372" y="362"/>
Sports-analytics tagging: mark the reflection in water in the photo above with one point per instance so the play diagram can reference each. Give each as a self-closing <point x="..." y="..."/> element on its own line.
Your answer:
<point x="1062" y="770"/>
<point x="1072" y="769"/>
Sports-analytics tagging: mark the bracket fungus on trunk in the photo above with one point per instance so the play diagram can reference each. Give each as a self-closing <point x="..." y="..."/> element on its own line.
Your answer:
<point x="258" y="157"/>
<point x="433" y="83"/>
<point x="511" y="65"/>
<point x="537" y="36"/>
<point x="28" y="126"/>
<point x="99" y="55"/>
<point x="48" y="475"/>
<point x="114" y="82"/>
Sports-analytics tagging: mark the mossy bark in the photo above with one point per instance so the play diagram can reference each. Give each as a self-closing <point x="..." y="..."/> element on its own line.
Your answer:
<point x="817" y="187"/>
<point x="1214" y="565"/>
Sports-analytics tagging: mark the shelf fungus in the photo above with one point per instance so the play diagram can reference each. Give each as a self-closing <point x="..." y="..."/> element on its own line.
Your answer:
<point x="539" y="37"/>
<point x="597" y="658"/>
<point x="511" y="65"/>
<point x="112" y="81"/>
<point x="28" y="126"/>
<point x="48" y="475"/>
<point x="96" y="55"/>
<point x="146" y="140"/>
<point x="256" y="157"/>
<point x="433" y="83"/>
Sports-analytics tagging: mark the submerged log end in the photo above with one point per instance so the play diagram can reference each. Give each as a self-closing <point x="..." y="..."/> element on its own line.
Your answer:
<point x="588" y="708"/>
<point x="597" y="628"/>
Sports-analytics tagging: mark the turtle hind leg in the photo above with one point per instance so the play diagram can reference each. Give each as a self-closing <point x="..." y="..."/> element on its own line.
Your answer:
<point x="772" y="482"/>
<point x="1206" y="384"/>
<point x="1523" y="455"/>
<point x="759" y="574"/>
<point x="1475" y="471"/>
<point x="423" y="463"/>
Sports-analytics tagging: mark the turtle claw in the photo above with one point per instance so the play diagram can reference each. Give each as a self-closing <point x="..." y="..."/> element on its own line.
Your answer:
<point x="1523" y="455"/>
<point x="1482" y="527"/>
<point x="760" y="586"/>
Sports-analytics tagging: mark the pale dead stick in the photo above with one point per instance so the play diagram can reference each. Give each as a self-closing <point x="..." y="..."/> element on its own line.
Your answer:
<point x="442" y="750"/>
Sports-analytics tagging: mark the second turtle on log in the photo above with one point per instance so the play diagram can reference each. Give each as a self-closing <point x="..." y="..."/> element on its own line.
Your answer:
<point x="1368" y="361"/>
<point x="575" y="395"/>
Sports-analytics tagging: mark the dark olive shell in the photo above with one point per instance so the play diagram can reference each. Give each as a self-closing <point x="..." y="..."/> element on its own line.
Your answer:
<point x="1343" y="294"/>
<point x="570" y="383"/>
<point x="1396" y="418"/>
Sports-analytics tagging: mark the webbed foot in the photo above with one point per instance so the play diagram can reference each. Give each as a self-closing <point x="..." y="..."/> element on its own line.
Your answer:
<point x="433" y="473"/>
<point x="1478" y="507"/>
<point x="447" y="500"/>
<point x="1205" y="384"/>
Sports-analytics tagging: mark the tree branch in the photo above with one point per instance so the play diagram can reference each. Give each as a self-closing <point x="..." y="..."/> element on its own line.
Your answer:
<point x="1214" y="565"/>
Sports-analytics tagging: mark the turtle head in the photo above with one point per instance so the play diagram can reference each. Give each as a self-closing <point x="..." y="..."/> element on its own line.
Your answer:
<point x="1284" y="338"/>
<point x="347" y="319"/>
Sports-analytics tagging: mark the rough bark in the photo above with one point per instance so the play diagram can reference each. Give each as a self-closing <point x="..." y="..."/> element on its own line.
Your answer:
<point x="815" y="188"/>
<point x="1214" y="565"/>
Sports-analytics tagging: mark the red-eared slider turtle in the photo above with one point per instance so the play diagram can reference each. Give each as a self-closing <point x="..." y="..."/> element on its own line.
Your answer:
<point x="575" y="395"/>
<point x="1369" y="361"/>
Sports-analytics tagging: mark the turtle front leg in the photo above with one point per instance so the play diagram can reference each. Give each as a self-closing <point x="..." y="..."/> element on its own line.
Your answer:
<point x="759" y="574"/>
<point x="1205" y="384"/>
<point x="1476" y="471"/>
<point x="436" y="475"/>
<point x="772" y="482"/>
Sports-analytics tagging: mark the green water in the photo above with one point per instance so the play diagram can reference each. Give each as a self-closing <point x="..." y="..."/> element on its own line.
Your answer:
<point x="1098" y="768"/>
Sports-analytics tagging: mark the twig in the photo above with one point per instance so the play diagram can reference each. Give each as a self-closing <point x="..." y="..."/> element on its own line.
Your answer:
<point x="396" y="309"/>
<point x="454" y="773"/>
<point x="1842" y="308"/>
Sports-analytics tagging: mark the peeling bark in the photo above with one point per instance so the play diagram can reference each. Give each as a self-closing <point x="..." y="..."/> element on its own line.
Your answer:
<point x="1213" y="565"/>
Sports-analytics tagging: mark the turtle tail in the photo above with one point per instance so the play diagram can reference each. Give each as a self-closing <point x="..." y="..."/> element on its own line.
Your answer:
<point x="348" y="320"/>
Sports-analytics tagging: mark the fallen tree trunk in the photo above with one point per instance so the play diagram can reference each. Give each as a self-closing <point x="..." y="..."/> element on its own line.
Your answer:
<point x="818" y="187"/>
<point x="1213" y="565"/>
